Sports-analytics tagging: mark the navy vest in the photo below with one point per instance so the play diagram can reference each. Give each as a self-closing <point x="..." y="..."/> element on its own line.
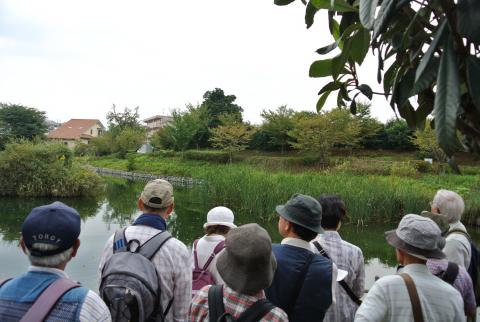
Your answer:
<point x="316" y="294"/>
<point x="18" y="295"/>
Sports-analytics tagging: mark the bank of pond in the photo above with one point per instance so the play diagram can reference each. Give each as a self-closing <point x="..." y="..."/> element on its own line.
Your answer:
<point x="115" y="206"/>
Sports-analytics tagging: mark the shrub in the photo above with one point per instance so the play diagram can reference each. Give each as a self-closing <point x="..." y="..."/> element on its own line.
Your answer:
<point x="82" y="149"/>
<point x="364" y="167"/>
<point x="401" y="169"/>
<point x="421" y="166"/>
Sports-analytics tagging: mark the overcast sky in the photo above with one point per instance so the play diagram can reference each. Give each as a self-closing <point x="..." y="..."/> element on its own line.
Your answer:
<point x="76" y="59"/>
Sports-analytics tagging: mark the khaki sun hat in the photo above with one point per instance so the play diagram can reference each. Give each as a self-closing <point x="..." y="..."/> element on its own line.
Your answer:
<point x="157" y="193"/>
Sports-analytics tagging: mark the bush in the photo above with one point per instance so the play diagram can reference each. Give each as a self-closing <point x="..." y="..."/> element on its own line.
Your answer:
<point x="364" y="167"/>
<point x="82" y="149"/>
<point x="401" y="169"/>
<point x="40" y="169"/>
<point x="421" y="166"/>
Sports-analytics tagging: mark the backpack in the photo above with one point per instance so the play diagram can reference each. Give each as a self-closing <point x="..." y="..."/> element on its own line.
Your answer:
<point x="129" y="284"/>
<point x="216" y="309"/>
<point x="474" y="267"/>
<point x="450" y="274"/>
<point x="202" y="276"/>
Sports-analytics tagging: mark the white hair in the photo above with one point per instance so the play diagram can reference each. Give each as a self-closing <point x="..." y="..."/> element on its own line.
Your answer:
<point x="49" y="261"/>
<point x="450" y="204"/>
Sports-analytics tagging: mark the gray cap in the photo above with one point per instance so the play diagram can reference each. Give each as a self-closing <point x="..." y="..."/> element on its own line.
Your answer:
<point x="157" y="193"/>
<point x="247" y="264"/>
<point x="418" y="236"/>
<point x="304" y="211"/>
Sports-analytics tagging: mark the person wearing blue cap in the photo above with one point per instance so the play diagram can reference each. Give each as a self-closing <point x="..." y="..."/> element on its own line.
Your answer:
<point x="50" y="240"/>
<point x="304" y="283"/>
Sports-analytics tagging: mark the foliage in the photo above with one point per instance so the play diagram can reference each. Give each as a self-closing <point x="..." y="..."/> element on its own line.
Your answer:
<point x="425" y="49"/>
<point x="398" y="136"/>
<point x="232" y="137"/>
<point x="207" y="155"/>
<point x="369" y="126"/>
<point x="427" y="144"/>
<point x="20" y="122"/>
<point x="218" y="104"/>
<point x="276" y="126"/>
<point x="39" y="169"/>
<point x="103" y="144"/>
<point x="119" y="121"/>
<point x="161" y="140"/>
<point x="129" y="140"/>
<point x="82" y="149"/>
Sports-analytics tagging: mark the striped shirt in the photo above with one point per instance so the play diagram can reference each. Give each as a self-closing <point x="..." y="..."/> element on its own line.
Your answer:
<point x="93" y="308"/>
<point x="349" y="258"/>
<point x="235" y="303"/>
<point x="173" y="265"/>
<point x="388" y="299"/>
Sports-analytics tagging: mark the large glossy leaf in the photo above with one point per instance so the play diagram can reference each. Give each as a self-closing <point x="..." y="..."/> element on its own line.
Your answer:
<point x="322" y="100"/>
<point x="447" y="100"/>
<point x="407" y="112"/>
<point x="360" y="45"/>
<point x="282" y="2"/>
<point x="426" y="101"/>
<point x="427" y="77"/>
<point x="310" y="14"/>
<point x="333" y="26"/>
<point x="321" y="68"/>
<point x="325" y="50"/>
<point x="366" y="90"/>
<point x="330" y="87"/>
<point x="335" y="5"/>
<point x="473" y="79"/>
<point x="387" y="10"/>
<point x="431" y="50"/>
<point x="404" y="87"/>
<point x="389" y="76"/>
<point x="339" y="40"/>
<point x="468" y="18"/>
<point x="367" y="12"/>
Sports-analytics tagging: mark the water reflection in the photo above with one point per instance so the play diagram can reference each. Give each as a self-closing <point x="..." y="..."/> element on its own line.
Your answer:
<point x="116" y="207"/>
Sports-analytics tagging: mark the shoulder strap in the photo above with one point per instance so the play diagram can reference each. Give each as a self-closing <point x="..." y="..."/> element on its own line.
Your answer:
<point x="151" y="246"/>
<point x="195" y="256"/>
<point x="414" y="299"/>
<point x="119" y="241"/>
<point x="299" y="285"/>
<point x="216" y="250"/>
<point x="216" y="309"/>
<point x="47" y="300"/>
<point x="458" y="231"/>
<point x="4" y="281"/>
<point x="450" y="274"/>
<point x="342" y="283"/>
<point x="256" y="311"/>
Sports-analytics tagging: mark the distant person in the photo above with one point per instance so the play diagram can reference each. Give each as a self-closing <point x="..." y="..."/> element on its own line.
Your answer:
<point x="304" y="282"/>
<point x="170" y="258"/>
<point x="346" y="256"/>
<point x="457" y="247"/>
<point x="50" y="240"/>
<point x="205" y="250"/>
<point x="246" y="266"/>
<point x="415" y="294"/>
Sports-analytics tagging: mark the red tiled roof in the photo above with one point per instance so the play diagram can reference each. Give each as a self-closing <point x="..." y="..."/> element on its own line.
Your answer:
<point x="74" y="129"/>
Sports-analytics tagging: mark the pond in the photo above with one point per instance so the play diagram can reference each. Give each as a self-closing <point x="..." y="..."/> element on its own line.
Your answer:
<point x="116" y="207"/>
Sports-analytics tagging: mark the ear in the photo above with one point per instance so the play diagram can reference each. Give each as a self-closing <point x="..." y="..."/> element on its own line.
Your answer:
<point x="170" y="209"/>
<point x="76" y="245"/>
<point x="22" y="246"/>
<point x="140" y="204"/>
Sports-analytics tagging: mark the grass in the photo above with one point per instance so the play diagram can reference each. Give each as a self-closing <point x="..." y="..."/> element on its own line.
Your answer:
<point x="255" y="190"/>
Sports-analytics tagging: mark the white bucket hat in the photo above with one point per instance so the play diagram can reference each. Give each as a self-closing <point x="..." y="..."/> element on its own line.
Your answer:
<point x="220" y="216"/>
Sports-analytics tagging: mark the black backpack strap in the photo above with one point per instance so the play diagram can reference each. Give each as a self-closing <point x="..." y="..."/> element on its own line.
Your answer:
<point x="119" y="241"/>
<point x="299" y="285"/>
<point x="4" y="281"/>
<point x="216" y="309"/>
<point x="151" y="246"/>
<point x="256" y="311"/>
<point x="342" y="283"/>
<point x="450" y="274"/>
<point x="458" y="231"/>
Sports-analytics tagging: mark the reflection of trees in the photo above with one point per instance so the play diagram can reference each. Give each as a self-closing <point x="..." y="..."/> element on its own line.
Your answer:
<point x="121" y="198"/>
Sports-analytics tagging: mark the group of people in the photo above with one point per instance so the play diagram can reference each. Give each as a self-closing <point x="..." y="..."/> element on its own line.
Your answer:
<point x="236" y="274"/>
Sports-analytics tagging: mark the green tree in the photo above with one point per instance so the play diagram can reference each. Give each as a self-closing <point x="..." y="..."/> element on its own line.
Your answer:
<point x="369" y="126"/>
<point x="398" y="136"/>
<point x="218" y="104"/>
<point x="118" y="121"/>
<point x="427" y="144"/>
<point x="129" y="140"/>
<point x="276" y="125"/>
<point x="21" y="122"/>
<point x="425" y="49"/>
<point x="232" y="137"/>
<point x="104" y="144"/>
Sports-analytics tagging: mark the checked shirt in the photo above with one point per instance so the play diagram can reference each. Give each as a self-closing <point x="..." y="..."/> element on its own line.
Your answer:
<point x="235" y="303"/>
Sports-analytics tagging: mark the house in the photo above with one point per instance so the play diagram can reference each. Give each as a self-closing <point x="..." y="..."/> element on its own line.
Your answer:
<point x="156" y="122"/>
<point x="77" y="131"/>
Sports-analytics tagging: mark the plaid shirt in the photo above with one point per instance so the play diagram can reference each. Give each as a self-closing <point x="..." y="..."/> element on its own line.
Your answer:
<point x="173" y="265"/>
<point x="350" y="258"/>
<point x="235" y="303"/>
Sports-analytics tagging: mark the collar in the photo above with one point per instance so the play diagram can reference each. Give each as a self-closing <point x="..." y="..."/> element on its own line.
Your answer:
<point x="416" y="269"/>
<point x="151" y="220"/>
<point x="248" y="298"/>
<point x="331" y="234"/>
<point x="457" y="225"/>
<point x="297" y="242"/>
<point x="50" y="270"/>
<point x="213" y="238"/>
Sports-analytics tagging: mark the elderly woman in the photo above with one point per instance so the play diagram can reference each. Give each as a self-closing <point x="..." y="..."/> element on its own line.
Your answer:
<point x="457" y="246"/>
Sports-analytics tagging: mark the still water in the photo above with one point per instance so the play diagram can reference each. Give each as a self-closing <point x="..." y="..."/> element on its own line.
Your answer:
<point x="116" y="207"/>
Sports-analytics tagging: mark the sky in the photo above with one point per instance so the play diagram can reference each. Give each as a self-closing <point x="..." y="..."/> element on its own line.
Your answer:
<point x="75" y="59"/>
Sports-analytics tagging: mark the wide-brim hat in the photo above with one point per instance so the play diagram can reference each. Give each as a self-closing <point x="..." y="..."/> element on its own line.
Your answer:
<point x="304" y="211"/>
<point x="247" y="265"/>
<point x="220" y="216"/>
<point x="418" y="236"/>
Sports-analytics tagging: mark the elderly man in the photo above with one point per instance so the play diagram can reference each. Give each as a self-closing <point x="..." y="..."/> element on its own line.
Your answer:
<point x="415" y="294"/>
<point x="171" y="259"/>
<point x="50" y="240"/>
<point x="457" y="247"/>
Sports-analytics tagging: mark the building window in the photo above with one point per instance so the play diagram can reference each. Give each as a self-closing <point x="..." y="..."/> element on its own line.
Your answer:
<point x="91" y="131"/>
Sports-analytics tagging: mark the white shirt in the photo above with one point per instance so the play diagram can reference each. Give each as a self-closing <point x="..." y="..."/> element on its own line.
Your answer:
<point x="93" y="308"/>
<point x="457" y="247"/>
<point x="297" y="242"/>
<point x="173" y="266"/>
<point x="388" y="299"/>
<point x="205" y="247"/>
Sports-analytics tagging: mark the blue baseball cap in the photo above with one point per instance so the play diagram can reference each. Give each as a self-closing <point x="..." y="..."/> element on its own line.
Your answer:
<point x="55" y="224"/>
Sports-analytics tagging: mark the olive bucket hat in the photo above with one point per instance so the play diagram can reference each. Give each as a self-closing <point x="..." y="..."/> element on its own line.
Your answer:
<point x="304" y="211"/>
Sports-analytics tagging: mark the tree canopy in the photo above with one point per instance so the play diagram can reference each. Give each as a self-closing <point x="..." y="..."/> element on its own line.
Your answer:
<point x="21" y="122"/>
<point x="218" y="104"/>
